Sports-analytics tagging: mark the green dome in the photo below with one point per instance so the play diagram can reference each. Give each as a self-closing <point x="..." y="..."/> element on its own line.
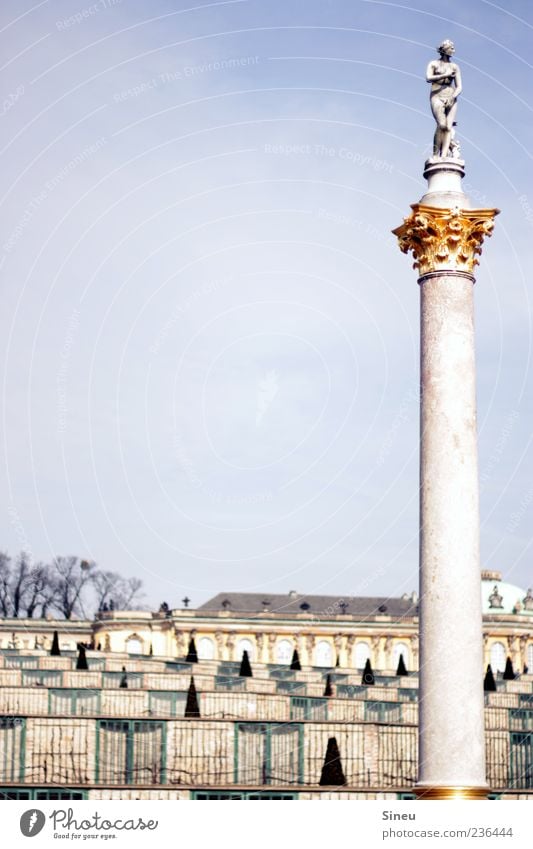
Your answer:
<point x="511" y="595"/>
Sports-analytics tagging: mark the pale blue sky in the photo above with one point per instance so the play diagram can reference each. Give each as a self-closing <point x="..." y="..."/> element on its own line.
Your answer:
<point x="209" y="338"/>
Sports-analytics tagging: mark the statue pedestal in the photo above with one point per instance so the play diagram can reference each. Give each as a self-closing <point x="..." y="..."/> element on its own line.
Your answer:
<point x="445" y="235"/>
<point x="444" y="183"/>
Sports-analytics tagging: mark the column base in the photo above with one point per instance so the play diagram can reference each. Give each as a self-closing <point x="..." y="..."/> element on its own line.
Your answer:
<point x="450" y="792"/>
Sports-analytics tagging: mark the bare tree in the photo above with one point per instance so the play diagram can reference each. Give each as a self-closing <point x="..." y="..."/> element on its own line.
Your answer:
<point x="40" y="590"/>
<point x="115" y="592"/>
<point x="71" y="578"/>
<point x="129" y="594"/>
<point x="5" y="578"/>
<point x="69" y="585"/>
<point x="20" y="576"/>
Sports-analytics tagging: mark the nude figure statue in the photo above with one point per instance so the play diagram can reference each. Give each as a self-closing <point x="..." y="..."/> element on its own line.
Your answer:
<point x="445" y="78"/>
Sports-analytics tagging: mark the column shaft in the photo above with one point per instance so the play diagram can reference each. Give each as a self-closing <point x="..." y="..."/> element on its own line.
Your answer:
<point x="451" y="647"/>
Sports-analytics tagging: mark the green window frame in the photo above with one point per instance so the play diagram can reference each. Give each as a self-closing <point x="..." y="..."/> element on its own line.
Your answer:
<point x="520" y="719"/>
<point x="73" y="702"/>
<point x="239" y="796"/>
<point x="178" y="666"/>
<point x="10" y="793"/>
<point x="110" y="680"/>
<point x="281" y="672"/>
<point x="290" y="686"/>
<point x="350" y="691"/>
<point x="20" y="662"/>
<point x="95" y="663"/>
<point x="12" y="748"/>
<point x="521" y="762"/>
<point x="268" y="753"/>
<point x="383" y="712"/>
<point x="407" y="694"/>
<point x="222" y="682"/>
<point x="44" y="677"/>
<point x="307" y="707"/>
<point x="172" y="702"/>
<point x="131" y="751"/>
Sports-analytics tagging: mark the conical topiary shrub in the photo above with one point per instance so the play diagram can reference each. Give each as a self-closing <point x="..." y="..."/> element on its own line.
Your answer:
<point x="489" y="684"/>
<point x="332" y="772"/>
<point x="81" y="662"/>
<point x="525" y="670"/>
<point x="55" y="651"/>
<point x="151" y="652"/>
<point x="367" y="679"/>
<point x="328" y="690"/>
<point x="508" y="673"/>
<point x="402" y="669"/>
<point x="246" y="670"/>
<point x="192" y="708"/>
<point x="124" y="678"/>
<point x="192" y="655"/>
<point x="337" y="662"/>
<point x="295" y="662"/>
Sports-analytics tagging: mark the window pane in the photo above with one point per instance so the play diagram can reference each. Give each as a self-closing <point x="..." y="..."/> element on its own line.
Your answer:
<point x="242" y="646"/>
<point x="284" y="651"/>
<point x="323" y="654"/>
<point x="284" y="754"/>
<point x="362" y="654"/>
<point x="113" y="736"/>
<point x="251" y="755"/>
<point x="206" y="649"/>
<point x="11" y="748"/>
<point x="167" y="703"/>
<point x="400" y="649"/>
<point x="74" y="702"/>
<point x="521" y="760"/>
<point x="147" y="753"/>
<point x="497" y="657"/>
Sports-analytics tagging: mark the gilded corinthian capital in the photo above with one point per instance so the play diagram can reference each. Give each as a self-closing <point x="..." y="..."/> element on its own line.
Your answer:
<point x="445" y="239"/>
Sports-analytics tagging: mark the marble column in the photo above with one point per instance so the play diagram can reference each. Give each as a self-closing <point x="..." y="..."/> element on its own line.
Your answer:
<point x="445" y="236"/>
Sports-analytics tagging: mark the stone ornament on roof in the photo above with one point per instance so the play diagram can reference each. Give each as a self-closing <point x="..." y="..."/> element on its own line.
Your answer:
<point x="495" y="599"/>
<point x="528" y="600"/>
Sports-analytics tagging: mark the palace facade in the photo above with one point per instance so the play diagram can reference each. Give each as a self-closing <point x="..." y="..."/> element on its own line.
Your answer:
<point x="147" y="719"/>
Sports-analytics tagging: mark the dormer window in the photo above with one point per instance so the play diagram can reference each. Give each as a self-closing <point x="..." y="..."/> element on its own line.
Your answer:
<point x="226" y="603"/>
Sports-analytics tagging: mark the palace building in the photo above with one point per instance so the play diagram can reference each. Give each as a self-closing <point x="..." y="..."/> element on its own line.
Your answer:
<point x="166" y="708"/>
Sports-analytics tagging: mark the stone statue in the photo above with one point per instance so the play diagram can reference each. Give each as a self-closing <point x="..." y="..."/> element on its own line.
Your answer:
<point x="445" y="78"/>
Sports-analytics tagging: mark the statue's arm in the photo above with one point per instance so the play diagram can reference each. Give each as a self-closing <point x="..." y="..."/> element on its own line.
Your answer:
<point x="458" y="81"/>
<point x="432" y="77"/>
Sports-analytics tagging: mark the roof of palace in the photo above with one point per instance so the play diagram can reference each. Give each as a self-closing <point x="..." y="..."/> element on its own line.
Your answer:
<point x="313" y="605"/>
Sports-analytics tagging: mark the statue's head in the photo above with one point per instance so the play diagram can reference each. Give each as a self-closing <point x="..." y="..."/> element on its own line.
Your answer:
<point x="446" y="48"/>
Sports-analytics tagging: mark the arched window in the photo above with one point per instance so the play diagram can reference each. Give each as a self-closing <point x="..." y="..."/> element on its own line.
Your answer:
<point x="497" y="657"/>
<point x="206" y="648"/>
<point x="323" y="654"/>
<point x="530" y="658"/>
<point x="362" y="654"/>
<point x="400" y="648"/>
<point x="284" y="650"/>
<point x="245" y="645"/>
<point x="134" y="645"/>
